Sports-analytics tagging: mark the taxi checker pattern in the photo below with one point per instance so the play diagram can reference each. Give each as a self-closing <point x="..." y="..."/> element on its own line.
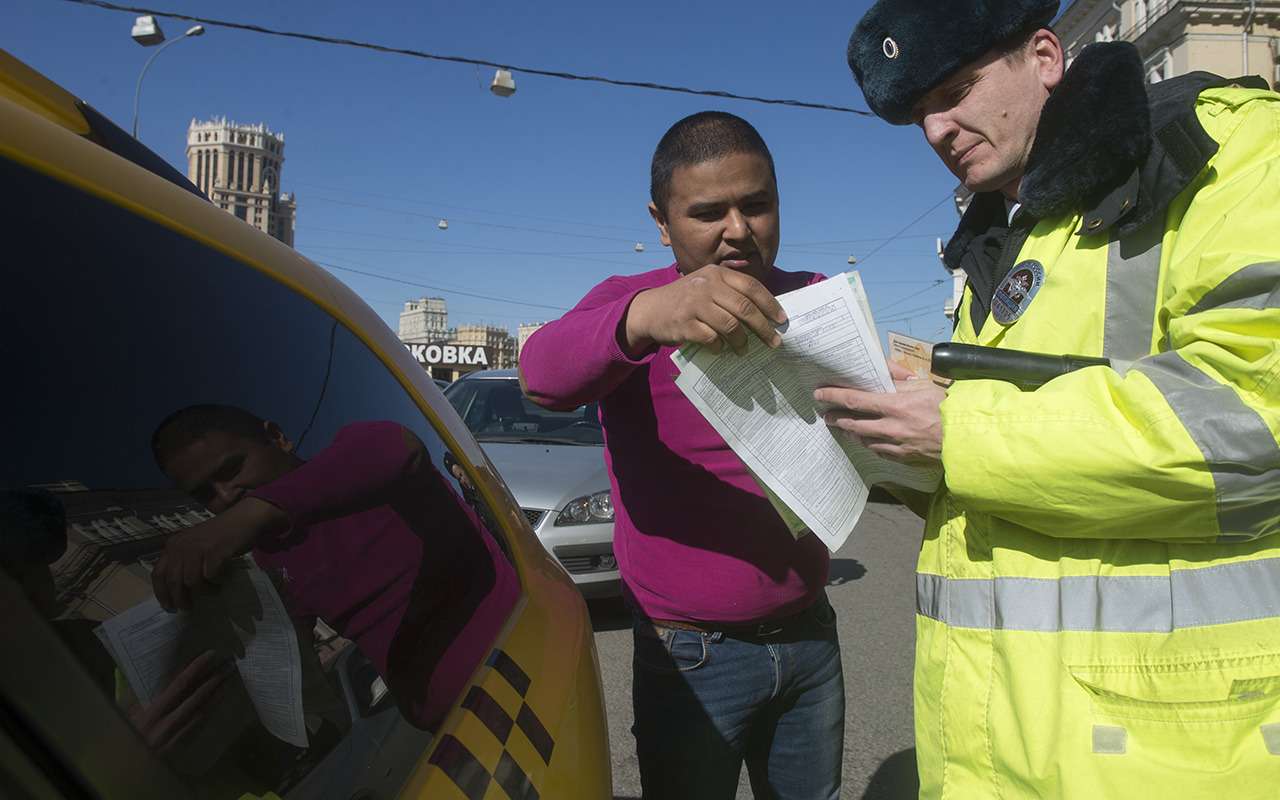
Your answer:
<point x="470" y="775"/>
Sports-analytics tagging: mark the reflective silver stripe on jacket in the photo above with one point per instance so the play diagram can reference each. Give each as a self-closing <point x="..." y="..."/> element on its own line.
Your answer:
<point x="1133" y="278"/>
<point x="1186" y="598"/>
<point x="1256" y="286"/>
<point x="1238" y="447"/>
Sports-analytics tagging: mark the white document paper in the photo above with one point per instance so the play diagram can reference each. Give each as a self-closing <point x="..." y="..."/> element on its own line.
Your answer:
<point x="244" y="619"/>
<point x="762" y="404"/>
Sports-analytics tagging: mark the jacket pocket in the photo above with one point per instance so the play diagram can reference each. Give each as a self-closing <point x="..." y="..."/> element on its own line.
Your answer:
<point x="1188" y="692"/>
<point x="1186" y="726"/>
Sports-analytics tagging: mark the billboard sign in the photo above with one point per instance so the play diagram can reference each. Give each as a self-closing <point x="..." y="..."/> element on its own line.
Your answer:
<point x="451" y="355"/>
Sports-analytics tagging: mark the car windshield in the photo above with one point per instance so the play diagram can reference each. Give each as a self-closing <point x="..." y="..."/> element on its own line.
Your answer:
<point x="496" y="411"/>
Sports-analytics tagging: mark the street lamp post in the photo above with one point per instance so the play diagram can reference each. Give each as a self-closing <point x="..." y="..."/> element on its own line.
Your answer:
<point x="194" y="30"/>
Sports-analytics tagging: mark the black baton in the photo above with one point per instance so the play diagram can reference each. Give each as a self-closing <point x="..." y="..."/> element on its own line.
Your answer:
<point x="1026" y="370"/>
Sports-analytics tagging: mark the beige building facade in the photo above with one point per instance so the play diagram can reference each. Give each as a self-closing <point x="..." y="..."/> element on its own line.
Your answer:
<point x="1175" y="37"/>
<point x="523" y="333"/>
<point x="449" y="353"/>
<point x="238" y="167"/>
<point x="424" y="320"/>
<point x="501" y="344"/>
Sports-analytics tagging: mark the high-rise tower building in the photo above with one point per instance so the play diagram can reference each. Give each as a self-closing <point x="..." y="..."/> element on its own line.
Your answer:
<point x="238" y="167"/>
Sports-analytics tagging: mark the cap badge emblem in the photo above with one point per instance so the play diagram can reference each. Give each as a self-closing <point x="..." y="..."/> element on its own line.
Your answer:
<point x="1016" y="291"/>
<point x="890" y="47"/>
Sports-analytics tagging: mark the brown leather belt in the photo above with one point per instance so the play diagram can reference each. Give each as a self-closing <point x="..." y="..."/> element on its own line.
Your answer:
<point x="750" y="630"/>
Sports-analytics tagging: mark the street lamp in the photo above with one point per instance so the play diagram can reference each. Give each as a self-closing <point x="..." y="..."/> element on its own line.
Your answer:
<point x="146" y="32"/>
<point x="503" y="84"/>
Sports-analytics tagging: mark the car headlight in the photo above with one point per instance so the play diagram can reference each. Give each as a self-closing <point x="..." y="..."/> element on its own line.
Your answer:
<point x="589" y="510"/>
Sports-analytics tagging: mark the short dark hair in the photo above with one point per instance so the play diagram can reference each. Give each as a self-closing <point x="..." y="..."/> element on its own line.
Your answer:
<point x="186" y="425"/>
<point x="701" y="137"/>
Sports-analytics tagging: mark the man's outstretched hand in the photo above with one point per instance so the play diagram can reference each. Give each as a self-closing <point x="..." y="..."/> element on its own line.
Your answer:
<point x="713" y="306"/>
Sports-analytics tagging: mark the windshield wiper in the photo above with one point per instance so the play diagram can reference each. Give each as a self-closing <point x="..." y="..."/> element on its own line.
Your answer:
<point x="531" y="439"/>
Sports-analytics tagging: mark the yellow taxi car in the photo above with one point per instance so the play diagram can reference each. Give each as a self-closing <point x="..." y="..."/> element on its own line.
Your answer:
<point x="404" y="635"/>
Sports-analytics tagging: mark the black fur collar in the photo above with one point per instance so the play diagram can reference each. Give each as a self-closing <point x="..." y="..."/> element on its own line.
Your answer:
<point x="1107" y="147"/>
<point x="1102" y="138"/>
<point x="1095" y="130"/>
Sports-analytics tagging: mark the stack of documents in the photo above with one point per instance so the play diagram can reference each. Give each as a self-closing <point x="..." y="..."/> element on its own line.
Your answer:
<point x="762" y="403"/>
<point x="245" y="621"/>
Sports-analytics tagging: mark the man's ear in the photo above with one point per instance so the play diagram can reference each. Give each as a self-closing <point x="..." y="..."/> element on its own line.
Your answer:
<point x="277" y="437"/>
<point x="660" y="220"/>
<point x="1046" y="50"/>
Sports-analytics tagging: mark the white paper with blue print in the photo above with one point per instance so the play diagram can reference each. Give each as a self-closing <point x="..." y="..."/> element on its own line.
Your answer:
<point x="762" y="404"/>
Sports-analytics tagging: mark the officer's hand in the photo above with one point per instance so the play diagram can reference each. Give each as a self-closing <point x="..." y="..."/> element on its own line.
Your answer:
<point x="712" y="306"/>
<point x="906" y="426"/>
<point x="180" y="707"/>
<point x="192" y="559"/>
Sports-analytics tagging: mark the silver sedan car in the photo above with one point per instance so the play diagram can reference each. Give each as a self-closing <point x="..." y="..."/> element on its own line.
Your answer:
<point x="553" y="462"/>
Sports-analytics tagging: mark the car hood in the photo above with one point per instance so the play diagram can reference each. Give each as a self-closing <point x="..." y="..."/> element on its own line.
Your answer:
<point x="548" y="476"/>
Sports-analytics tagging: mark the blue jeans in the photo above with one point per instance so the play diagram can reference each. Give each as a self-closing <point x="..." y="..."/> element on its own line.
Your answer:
<point x="707" y="702"/>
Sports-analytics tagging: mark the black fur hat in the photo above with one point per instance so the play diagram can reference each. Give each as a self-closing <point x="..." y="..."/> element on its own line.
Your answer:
<point x="903" y="48"/>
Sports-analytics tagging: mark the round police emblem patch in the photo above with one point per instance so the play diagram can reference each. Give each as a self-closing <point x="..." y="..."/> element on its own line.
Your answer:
<point x="1016" y="292"/>
<point x="890" y="47"/>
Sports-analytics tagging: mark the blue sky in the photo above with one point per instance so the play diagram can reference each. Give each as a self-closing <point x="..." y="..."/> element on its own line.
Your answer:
<point x="545" y="192"/>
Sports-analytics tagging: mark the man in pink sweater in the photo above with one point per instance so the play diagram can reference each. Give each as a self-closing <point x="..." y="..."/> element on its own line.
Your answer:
<point x="736" y="654"/>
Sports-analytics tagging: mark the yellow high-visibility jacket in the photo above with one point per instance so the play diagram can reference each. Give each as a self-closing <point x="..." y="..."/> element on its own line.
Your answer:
<point x="1098" y="590"/>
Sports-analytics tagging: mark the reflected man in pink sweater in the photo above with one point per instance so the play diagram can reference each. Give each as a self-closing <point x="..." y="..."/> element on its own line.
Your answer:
<point x="736" y="654"/>
<point x="366" y="535"/>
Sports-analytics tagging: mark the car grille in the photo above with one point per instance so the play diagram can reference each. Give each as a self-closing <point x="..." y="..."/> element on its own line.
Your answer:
<point x="585" y="559"/>
<point x="534" y="515"/>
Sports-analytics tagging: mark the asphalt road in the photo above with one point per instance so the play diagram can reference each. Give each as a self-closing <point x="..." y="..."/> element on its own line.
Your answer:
<point x="872" y="588"/>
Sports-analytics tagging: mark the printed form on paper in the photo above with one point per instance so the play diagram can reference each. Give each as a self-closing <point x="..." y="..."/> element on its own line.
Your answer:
<point x="762" y="404"/>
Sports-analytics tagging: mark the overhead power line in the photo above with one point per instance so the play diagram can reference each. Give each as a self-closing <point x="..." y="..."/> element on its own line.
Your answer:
<point x="864" y="241"/>
<point x="881" y="311"/>
<point x="478" y="249"/>
<point x="913" y="313"/>
<point x="469" y="253"/>
<point x="482" y="249"/>
<point x="642" y="231"/>
<point x="453" y="221"/>
<point x="570" y="76"/>
<point x="440" y="288"/>
<point x="633" y="229"/>
<point x="478" y="254"/>
<point x="639" y="234"/>
<point x="905" y="228"/>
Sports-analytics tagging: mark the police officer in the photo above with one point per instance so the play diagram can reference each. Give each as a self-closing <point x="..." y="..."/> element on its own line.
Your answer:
<point x="1099" y="583"/>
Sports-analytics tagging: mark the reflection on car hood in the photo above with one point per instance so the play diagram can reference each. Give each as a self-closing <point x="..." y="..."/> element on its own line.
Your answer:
<point x="548" y="476"/>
